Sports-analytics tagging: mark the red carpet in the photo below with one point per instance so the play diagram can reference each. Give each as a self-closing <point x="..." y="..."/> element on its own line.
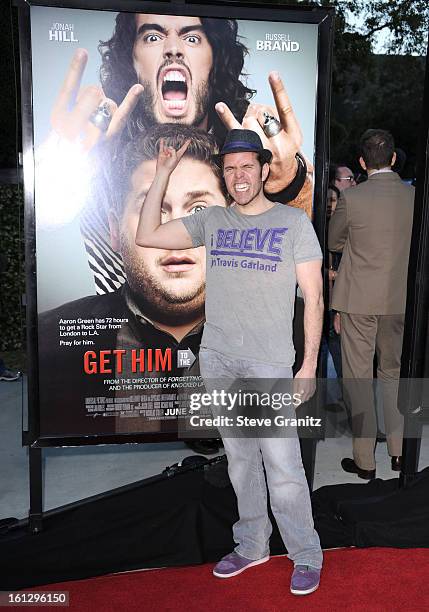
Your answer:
<point x="371" y="579"/>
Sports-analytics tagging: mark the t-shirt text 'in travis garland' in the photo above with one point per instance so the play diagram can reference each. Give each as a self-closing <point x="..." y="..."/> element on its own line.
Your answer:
<point x="257" y="249"/>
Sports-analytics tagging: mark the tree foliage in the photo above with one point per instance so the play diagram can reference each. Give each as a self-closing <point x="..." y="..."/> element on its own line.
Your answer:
<point x="11" y="267"/>
<point x="389" y="96"/>
<point x="370" y="90"/>
<point x="404" y="22"/>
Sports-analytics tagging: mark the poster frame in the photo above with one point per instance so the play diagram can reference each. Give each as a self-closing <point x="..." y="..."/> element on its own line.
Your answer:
<point x="415" y="348"/>
<point x="322" y="17"/>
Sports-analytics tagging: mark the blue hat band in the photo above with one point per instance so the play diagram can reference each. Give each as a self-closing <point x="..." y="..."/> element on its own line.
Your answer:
<point x="241" y="144"/>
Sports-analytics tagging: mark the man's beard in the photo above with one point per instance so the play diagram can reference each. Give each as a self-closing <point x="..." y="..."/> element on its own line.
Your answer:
<point x="145" y="115"/>
<point x="156" y="301"/>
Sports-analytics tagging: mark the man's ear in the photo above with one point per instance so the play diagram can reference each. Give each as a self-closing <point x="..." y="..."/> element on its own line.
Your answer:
<point x="392" y="163"/>
<point x="265" y="171"/>
<point x="114" y="231"/>
<point x="362" y="163"/>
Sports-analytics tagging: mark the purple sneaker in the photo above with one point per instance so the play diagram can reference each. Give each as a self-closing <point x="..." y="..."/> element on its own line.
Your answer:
<point x="305" y="580"/>
<point x="233" y="564"/>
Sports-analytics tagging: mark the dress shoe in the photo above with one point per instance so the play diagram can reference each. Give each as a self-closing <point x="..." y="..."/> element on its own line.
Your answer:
<point x="350" y="466"/>
<point x="396" y="464"/>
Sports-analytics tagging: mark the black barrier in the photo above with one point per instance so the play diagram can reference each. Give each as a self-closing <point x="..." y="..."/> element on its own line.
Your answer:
<point x="415" y="353"/>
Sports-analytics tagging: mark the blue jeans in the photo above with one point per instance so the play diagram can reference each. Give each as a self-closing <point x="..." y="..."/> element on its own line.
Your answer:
<point x="281" y="458"/>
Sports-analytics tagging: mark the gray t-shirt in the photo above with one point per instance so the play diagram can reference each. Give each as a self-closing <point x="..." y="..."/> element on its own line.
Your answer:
<point x="251" y="278"/>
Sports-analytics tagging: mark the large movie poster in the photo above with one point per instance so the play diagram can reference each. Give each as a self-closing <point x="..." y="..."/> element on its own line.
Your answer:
<point x="120" y="325"/>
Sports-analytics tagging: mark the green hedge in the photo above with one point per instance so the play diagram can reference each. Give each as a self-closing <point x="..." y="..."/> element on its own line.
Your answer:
<point x="12" y="279"/>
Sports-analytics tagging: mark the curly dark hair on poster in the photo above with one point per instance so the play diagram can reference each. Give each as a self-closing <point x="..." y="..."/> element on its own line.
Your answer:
<point x="117" y="73"/>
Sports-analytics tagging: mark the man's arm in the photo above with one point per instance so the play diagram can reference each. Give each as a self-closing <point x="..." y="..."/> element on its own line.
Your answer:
<point x="338" y="229"/>
<point x="309" y="279"/>
<point x="150" y="232"/>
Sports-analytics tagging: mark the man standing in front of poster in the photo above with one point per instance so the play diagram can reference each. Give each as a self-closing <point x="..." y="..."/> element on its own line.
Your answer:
<point x="244" y="323"/>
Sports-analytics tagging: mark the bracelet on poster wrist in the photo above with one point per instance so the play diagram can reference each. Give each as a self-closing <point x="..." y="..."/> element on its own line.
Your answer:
<point x="290" y="192"/>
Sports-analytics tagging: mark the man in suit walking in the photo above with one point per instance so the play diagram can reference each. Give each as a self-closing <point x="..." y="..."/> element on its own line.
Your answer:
<point x="371" y="226"/>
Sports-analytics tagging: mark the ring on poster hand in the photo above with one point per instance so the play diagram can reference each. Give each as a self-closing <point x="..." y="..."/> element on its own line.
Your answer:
<point x="272" y="126"/>
<point x="101" y="117"/>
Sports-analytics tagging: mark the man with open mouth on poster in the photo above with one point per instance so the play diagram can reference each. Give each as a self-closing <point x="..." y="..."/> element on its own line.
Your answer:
<point x="157" y="69"/>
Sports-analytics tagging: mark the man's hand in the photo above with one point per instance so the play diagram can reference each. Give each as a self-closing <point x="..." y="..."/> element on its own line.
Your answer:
<point x="169" y="157"/>
<point x="283" y="145"/>
<point x="337" y="323"/>
<point x="151" y="232"/>
<point x="332" y="275"/>
<point x="71" y="114"/>
<point x="304" y="385"/>
<point x="338" y="229"/>
<point x="72" y="155"/>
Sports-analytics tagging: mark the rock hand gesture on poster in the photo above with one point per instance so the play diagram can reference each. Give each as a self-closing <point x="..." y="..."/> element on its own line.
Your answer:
<point x="169" y="157"/>
<point x="86" y="115"/>
<point x="84" y="123"/>
<point x="280" y="132"/>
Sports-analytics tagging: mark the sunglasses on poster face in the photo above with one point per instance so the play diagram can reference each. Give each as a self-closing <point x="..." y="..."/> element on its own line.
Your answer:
<point x="346" y="178"/>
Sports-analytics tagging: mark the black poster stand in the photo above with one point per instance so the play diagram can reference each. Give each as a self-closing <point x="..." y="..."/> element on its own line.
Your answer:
<point x="35" y="514"/>
<point x="415" y="357"/>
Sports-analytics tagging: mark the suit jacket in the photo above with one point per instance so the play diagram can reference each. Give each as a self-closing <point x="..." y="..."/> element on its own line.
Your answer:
<point x="372" y="227"/>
